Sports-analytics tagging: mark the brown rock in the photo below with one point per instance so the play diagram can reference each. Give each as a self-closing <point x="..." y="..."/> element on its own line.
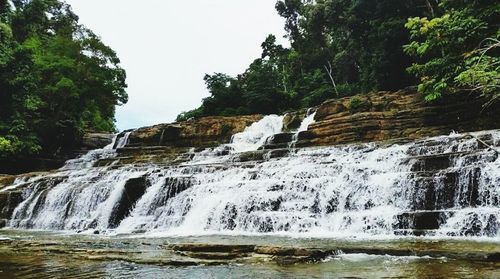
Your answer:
<point x="96" y="140"/>
<point x="404" y="114"/>
<point x="203" y="132"/>
<point x="6" y="180"/>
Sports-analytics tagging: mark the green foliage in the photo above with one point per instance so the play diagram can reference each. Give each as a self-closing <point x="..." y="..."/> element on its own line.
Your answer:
<point x="57" y="79"/>
<point x="446" y="51"/>
<point x="482" y="71"/>
<point x="338" y="48"/>
<point x="346" y="47"/>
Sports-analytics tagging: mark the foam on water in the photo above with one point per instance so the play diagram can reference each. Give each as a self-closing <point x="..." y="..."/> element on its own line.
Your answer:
<point x="253" y="137"/>
<point x="346" y="191"/>
<point x="256" y="134"/>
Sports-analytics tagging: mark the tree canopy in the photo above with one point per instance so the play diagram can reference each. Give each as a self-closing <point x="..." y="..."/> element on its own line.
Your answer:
<point x="57" y="79"/>
<point x="344" y="47"/>
<point x="457" y="49"/>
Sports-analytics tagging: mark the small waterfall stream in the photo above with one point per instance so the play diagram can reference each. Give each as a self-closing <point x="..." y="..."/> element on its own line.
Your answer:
<point x="446" y="186"/>
<point x="308" y="120"/>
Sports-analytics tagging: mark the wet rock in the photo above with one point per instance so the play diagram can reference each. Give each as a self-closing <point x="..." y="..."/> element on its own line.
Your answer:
<point x="251" y="156"/>
<point x="8" y="203"/>
<point x="133" y="190"/>
<point x="177" y="185"/>
<point x="493" y="257"/>
<point x="281" y="138"/>
<point x="492" y="226"/>
<point x="420" y="221"/>
<point x="289" y="255"/>
<point x="292" y="120"/>
<point x="228" y="219"/>
<point x="212" y="248"/>
<point x="216" y="255"/>
<point x="278" y="153"/>
<point x="92" y="141"/>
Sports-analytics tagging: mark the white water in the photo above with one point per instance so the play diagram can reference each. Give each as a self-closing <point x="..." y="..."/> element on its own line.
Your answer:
<point x="123" y="141"/>
<point x="307" y="121"/>
<point x="303" y="127"/>
<point x="346" y="191"/>
<point x="253" y="137"/>
<point x="256" y="134"/>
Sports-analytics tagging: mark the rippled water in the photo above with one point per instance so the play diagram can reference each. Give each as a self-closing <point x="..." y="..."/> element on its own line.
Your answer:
<point x="56" y="256"/>
<point x="379" y="267"/>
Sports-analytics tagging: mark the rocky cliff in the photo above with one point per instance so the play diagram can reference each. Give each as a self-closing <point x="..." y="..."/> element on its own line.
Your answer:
<point x="203" y="132"/>
<point x="398" y="115"/>
<point x="378" y="116"/>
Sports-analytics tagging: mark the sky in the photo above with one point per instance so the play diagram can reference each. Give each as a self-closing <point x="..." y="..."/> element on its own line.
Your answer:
<point x="168" y="46"/>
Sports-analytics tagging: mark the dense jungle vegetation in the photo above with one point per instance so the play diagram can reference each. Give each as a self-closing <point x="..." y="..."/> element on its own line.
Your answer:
<point x="345" y="47"/>
<point x="57" y="79"/>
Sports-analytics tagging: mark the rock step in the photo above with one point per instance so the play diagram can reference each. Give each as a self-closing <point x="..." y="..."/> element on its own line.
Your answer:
<point x="445" y="160"/>
<point x="8" y="203"/>
<point x="292" y="255"/>
<point x="280" y="138"/>
<point x="422" y="220"/>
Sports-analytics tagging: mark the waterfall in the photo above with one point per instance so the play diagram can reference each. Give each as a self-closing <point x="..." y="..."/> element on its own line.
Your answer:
<point x="122" y="141"/>
<point x="308" y="120"/>
<point x="446" y="186"/>
<point x="253" y="137"/>
<point x="256" y="134"/>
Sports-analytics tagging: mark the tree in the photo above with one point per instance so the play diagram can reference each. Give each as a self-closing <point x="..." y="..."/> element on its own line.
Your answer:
<point x="57" y="79"/>
<point x="449" y="49"/>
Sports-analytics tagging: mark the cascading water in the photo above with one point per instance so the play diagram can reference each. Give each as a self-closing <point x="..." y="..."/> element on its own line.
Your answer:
<point x="256" y="134"/>
<point x="251" y="139"/>
<point x="121" y="141"/>
<point x="308" y="120"/>
<point x="444" y="186"/>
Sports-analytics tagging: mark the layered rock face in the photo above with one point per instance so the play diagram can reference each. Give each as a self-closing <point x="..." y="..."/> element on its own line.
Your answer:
<point x="166" y="143"/>
<point x="378" y="116"/>
<point x="187" y="177"/>
<point x="397" y="115"/>
<point x="204" y="132"/>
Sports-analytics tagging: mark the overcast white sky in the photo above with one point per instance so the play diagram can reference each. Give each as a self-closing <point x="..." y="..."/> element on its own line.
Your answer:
<point x="167" y="46"/>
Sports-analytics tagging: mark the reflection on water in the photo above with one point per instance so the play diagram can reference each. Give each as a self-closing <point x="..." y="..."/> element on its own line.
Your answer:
<point x="377" y="267"/>
<point x="44" y="255"/>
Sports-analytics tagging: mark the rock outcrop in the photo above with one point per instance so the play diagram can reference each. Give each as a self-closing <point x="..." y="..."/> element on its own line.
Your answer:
<point x="404" y="114"/>
<point x="203" y="132"/>
<point x="169" y="143"/>
<point x="92" y="141"/>
<point x="377" y="116"/>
